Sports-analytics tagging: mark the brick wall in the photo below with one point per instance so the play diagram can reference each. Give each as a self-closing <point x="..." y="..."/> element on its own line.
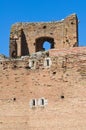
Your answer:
<point x="62" y="85"/>
<point x="27" y="38"/>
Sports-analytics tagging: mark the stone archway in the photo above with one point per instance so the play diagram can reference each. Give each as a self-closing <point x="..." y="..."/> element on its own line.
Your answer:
<point x="40" y="41"/>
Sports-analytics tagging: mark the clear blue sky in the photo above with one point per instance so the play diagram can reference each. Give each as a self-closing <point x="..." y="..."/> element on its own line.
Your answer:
<point x="12" y="11"/>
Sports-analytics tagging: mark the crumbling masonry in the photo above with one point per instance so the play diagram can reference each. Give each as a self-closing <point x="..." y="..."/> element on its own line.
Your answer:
<point x="44" y="90"/>
<point x="28" y="38"/>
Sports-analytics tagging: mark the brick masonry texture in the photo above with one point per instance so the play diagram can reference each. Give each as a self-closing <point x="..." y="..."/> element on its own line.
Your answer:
<point x="27" y="38"/>
<point x="57" y="76"/>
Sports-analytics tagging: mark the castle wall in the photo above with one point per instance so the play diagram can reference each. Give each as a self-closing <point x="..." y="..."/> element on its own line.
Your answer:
<point x="60" y="82"/>
<point x="30" y="37"/>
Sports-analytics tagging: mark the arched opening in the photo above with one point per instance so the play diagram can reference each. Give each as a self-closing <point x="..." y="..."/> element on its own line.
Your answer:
<point x="44" y="43"/>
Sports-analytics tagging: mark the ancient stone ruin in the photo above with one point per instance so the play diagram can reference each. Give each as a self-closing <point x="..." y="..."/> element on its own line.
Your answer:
<point x="44" y="89"/>
<point x="28" y="38"/>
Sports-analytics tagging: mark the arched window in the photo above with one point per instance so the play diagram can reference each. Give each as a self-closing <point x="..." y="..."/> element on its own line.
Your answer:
<point x="44" y="43"/>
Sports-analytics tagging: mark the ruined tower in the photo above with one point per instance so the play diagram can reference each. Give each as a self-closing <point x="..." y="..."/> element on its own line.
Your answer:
<point x="44" y="90"/>
<point x="28" y="38"/>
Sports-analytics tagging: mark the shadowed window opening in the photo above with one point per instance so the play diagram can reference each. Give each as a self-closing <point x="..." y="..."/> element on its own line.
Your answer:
<point x="33" y="103"/>
<point x="47" y="62"/>
<point x="42" y="100"/>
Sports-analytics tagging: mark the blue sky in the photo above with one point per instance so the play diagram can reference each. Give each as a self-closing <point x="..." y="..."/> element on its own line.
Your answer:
<point x="12" y="11"/>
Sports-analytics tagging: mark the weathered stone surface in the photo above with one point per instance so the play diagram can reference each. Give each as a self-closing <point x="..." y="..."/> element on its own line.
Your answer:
<point x="44" y="90"/>
<point x="28" y="38"/>
<point x="62" y="85"/>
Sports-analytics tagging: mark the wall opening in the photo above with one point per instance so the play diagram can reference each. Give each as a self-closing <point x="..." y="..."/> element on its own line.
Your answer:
<point x="33" y="103"/>
<point x="44" y="43"/>
<point x="24" y="44"/>
<point x="47" y="62"/>
<point x="62" y="96"/>
<point x="41" y="102"/>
